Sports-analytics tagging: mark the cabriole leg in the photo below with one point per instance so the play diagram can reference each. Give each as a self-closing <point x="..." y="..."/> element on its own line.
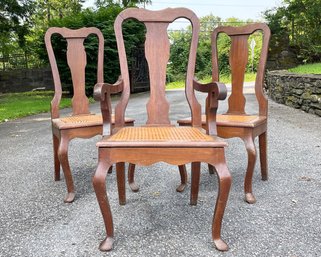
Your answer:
<point x="224" y="184"/>
<point x="251" y="153"/>
<point x="63" y="158"/>
<point x="99" y="183"/>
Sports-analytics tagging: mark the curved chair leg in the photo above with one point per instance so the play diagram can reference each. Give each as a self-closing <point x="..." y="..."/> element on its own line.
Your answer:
<point x="131" y="177"/>
<point x="99" y="183"/>
<point x="263" y="156"/>
<point x="63" y="158"/>
<point x="120" y="173"/>
<point x="211" y="169"/>
<point x="55" y="140"/>
<point x="183" y="174"/>
<point x="251" y="153"/>
<point x="195" y="181"/>
<point x="224" y="180"/>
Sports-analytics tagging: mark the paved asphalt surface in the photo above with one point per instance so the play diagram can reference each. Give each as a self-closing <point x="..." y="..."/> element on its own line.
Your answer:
<point x="158" y="221"/>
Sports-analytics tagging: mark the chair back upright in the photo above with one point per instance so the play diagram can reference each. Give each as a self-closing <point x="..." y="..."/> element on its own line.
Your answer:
<point x="157" y="52"/>
<point x="238" y="59"/>
<point x="77" y="60"/>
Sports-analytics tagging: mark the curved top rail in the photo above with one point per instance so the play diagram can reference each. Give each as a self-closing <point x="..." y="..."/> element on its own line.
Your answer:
<point x="239" y="50"/>
<point x="157" y="52"/>
<point x="166" y="15"/>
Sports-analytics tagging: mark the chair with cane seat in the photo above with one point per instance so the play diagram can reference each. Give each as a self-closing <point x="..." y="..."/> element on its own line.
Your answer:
<point x="159" y="140"/>
<point x="81" y="123"/>
<point x="235" y="122"/>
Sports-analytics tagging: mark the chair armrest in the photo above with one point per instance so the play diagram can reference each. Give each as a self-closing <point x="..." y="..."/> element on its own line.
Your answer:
<point x="54" y="105"/>
<point x="218" y="88"/>
<point x="101" y="89"/>
<point x="216" y="91"/>
<point x="102" y="92"/>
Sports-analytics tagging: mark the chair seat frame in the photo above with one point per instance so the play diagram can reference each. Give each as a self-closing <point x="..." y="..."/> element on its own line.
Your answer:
<point x="245" y="130"/>
<point x="157" y="54"/>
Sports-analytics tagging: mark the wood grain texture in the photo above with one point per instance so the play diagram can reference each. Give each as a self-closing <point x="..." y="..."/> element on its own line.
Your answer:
<point x="157" y="53"/>
<point x="76" y="58"/>
<point x="245" y="31"/>
<point x="223" y="120"/>
<point x="157" y="141"/>
<point x="157" y="56"/>
<point x="75" y="40"/>
<point x="236" y="123"/>
<point x="238" y="61"/>
<point x="80" y="124"/>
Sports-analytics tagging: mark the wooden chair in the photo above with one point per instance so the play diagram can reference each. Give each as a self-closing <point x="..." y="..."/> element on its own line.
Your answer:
<point x="158" y="140"/>
<point x="81" y="123"/>
<point x="235" y="122"/>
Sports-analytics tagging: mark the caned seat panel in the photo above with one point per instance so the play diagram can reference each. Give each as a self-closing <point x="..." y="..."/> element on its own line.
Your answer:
<point x="240" y="120"/>
<point x="161" y="136"/>
<point x="79" y="121"/>
<point x="248" y="121"/>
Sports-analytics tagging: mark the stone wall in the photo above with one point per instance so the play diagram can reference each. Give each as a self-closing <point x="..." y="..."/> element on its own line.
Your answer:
<point x="295" y="90"/>
<point x="26" y="80"/>
<point x="281" y="54"/>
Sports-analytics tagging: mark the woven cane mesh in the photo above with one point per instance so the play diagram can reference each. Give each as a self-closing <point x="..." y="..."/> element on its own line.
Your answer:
<point x="237" y="118"/>
<point x="82" y="119"/>
<point x="159" y="134"/>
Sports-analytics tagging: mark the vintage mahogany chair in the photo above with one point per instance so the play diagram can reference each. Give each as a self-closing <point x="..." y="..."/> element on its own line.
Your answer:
<point x="81" y="123"/>
<point x="235" y="122"/>
<point x="158" y="140"/>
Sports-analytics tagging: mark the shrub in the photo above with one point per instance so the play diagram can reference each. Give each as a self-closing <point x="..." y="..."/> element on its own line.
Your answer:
<point x="103" y="19"/>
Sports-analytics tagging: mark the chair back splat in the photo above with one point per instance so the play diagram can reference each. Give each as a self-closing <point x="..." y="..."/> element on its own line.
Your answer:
<point x="76" y="59"/>
<point x="238" y="60"/>
<point x="81" y="123"/>
<point x="158" y="141"/>
<point x="235" y="122"/>
<point x="157" y="49"/>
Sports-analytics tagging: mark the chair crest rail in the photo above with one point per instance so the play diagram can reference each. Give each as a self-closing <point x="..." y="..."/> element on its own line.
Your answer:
<point x="157" y="55"/>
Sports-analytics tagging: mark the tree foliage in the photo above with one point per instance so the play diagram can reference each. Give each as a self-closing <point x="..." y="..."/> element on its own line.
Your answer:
<point x="124" y="3"/>
<point x="14" y="22"/>
<point x="180" y="49"/>
<point x="299" y="20"/>
<point x="47" y="10"/>
<point x="21" y="22"/>
<point x="103" y="19"/>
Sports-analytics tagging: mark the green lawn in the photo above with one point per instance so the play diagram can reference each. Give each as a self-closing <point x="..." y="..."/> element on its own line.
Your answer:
<point x="16" y="105"/>
<point x="224" y="78"/>
<point x="314" y="68"/>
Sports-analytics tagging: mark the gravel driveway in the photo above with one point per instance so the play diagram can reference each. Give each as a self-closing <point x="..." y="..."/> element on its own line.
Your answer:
<point x="158" y="221"/>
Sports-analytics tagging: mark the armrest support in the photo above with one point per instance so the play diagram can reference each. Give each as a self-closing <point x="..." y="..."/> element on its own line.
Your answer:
<point x="54" y="105"/>
<point x="216" y="91"/>
<point x="218" y="88"/>
<point x="102" y="92"/>
<point x="101" y="89"/>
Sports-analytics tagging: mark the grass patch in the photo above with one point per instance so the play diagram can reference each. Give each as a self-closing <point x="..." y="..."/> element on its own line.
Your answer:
<point x="223" y="78"/>
<point x="17" y="105"/>
<point x="313" y="68"/>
